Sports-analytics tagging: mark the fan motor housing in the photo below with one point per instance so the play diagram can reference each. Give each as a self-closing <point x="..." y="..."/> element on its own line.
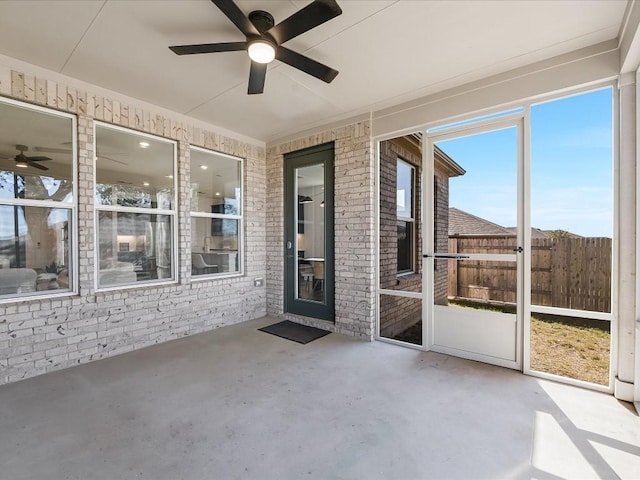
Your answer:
<point x="262" y="20"/>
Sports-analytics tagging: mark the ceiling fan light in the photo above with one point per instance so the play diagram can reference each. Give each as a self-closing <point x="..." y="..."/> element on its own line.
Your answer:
<point x="261" y="51"/>
<point x="22" y="164"/>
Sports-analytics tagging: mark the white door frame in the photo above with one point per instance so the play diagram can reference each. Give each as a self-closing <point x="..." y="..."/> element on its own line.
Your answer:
<point x="523" y="236"/>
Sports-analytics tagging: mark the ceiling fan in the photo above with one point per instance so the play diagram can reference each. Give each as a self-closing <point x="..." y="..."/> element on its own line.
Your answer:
<point x="23" y="161"/>
<point x="264" y="39"/>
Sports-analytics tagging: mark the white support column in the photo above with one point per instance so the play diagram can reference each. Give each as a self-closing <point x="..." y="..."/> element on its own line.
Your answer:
<point x="636" y="352"/>
<point x="626" y="265"/>
<point x="627" y="258"/>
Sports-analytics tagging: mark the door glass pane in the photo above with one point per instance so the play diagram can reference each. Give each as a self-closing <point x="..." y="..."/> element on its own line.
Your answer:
<point x="475" y="212"/>
<point x="480" y="284"/>
<point x="476" y="188"/>
<point x="475" y="209"/>
<point x="310" y="241"/>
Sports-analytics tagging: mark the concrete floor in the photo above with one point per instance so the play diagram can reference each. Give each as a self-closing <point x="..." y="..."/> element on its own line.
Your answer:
<point x="239" y="403"/>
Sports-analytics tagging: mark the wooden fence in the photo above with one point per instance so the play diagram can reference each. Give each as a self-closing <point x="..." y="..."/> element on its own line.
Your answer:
<point x="565" y="272"/>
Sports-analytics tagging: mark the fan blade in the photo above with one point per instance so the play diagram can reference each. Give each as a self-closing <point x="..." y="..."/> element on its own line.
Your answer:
<point x="208" y="48"/>
<point x="239" y="19"/>
<point x="257" y="75"/>
<point x="307" y="65"/>
<point x="303" y="20"/>
<point x="112" y="159"/>
<point x="38" y="166"/>
<point x="51" y="150"/>
<point x="37" y="159"/>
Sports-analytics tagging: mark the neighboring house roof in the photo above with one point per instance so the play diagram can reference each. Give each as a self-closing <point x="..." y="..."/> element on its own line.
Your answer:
<point x="535" y="232"/>
<point x="550" y="233"/>
<point x="443" y="162"/>
<point x="446" y="164"/>
<point x="463" y="223"/>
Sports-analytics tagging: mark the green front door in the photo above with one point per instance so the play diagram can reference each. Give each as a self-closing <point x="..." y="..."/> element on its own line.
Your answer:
<point x="309" y="264"/>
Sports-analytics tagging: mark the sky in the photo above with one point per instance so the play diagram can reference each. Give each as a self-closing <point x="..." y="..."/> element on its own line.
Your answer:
<point x="571" y="168"/>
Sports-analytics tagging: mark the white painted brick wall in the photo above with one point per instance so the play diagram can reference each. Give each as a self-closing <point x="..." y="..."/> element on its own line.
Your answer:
<point x="42" y="335"/>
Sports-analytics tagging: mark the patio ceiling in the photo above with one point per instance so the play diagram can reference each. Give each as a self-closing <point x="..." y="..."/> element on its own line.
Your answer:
<point x="386" y="51"/>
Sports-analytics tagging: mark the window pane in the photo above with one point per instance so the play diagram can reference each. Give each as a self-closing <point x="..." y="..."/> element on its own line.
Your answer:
<point x="572" y="201"/>
<point x="36" y="158"/>
<point x="215" y="183"/>
<point x="133" y="170"/>
<point x="401" y="319"/>
<point x="214" y="245"/>
<point x="18" y="184"/>
<point x="571" y="347"/>
<point x="34" y="249"/>
<point x="133" y="247"/>
<point x="405" y="246"/>
<point x="404" y="205"/>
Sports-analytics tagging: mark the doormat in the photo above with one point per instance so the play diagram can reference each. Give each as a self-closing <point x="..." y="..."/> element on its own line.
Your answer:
<point x="294" y="331"/>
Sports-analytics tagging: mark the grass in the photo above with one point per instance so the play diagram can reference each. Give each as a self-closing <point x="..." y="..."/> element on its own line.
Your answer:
<point x="570" y="347"/>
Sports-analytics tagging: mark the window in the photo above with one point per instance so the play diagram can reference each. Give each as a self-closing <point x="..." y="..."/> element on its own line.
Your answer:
<point x="37" y="201"/>
<point x="135" y="207"/>
<point x="216" y="213"/>
<point x="405" y="177"/>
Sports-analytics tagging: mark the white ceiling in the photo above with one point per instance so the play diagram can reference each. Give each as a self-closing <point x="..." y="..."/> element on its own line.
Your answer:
<point x="387" y="52"/>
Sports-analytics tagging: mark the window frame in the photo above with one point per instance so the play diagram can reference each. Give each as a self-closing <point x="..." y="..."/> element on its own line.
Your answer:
<point x="410" y="220"/>
<point x="172" y="214"/>
<point x="240" y="272"/>
<point x="72" y="207"/>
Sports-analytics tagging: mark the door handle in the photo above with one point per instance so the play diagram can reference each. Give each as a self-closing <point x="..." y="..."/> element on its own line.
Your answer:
<point x="289" y="245"/>
<point x="453" y="256"/>
<point x="518" y="250"/>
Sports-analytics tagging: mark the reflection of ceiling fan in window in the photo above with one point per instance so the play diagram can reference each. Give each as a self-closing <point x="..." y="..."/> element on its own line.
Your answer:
<point x="105" y="157"/>
<point x="68" y="150"/>
<point x="24" y="161"/>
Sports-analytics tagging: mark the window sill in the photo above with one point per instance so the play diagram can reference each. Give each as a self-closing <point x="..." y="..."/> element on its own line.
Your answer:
<point x="216" y="276"/>
<point x="129" y="286"/>
<point x="407" y="277"/>
<point x="29" y="297"/>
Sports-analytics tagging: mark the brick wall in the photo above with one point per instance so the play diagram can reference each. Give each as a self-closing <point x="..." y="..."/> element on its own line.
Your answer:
<point x="41" y="335"/>
<point x="354" y="229"/>
<point x="441" y="223"/>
